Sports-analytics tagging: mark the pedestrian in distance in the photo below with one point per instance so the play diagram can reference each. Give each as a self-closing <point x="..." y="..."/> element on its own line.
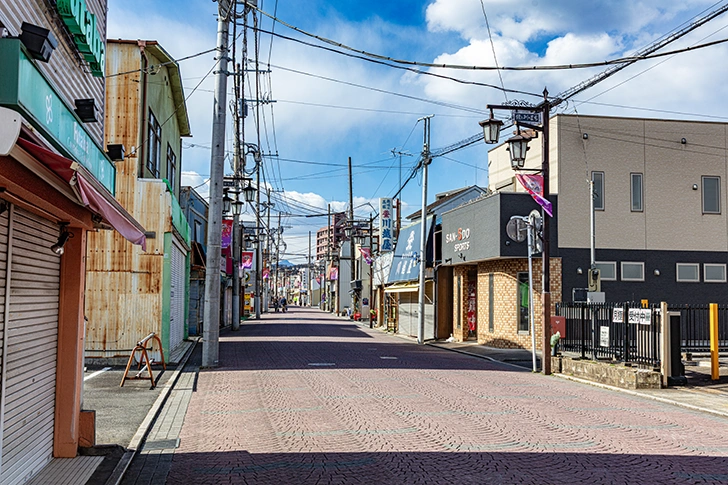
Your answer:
<point x="284" y="304"/>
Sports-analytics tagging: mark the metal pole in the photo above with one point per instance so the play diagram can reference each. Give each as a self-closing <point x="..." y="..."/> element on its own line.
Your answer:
<point x="545" y="255"/>
<point x="236" y="276"/>
<point x="309" y="281"/>
<point x="423" y="232"/>
<point x="592" y="229"/>
<point x="211" y="333"/>
<point x="531" y="241"/>
<point x="257" y="236"/>
<point x="371" y="269"/>
<point x="352" y="246"/>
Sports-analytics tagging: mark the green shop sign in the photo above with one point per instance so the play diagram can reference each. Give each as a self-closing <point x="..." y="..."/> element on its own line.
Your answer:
<point x="82" y="24"/>
<point x="24" y="89"/>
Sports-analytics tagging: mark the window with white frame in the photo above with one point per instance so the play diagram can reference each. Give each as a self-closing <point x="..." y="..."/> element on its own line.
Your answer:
<point x="636" y="192"/>
<point x="633" y="271"/>
<point x="607" y="270"/>
<point x="711" y="195"/>
<point x="688" y="272"/>
<point x="598" y="181"/>
<point x="714" y="273"/>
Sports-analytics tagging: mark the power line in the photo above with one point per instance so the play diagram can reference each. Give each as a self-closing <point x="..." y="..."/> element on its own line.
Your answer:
<point x="384" y="91"/>
<point x="629" y="59"/>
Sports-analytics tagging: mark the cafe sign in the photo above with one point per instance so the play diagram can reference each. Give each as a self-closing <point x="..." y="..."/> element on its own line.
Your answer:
<point x="82" y="25"/>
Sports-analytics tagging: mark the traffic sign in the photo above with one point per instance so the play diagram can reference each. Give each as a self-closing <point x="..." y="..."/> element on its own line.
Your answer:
<point x="530" y="117"/>
<point x="516" y="229"/>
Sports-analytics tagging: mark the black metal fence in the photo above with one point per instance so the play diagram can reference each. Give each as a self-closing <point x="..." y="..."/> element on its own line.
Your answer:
<point x="615" y="331"/>
<point x="695" y="327"/>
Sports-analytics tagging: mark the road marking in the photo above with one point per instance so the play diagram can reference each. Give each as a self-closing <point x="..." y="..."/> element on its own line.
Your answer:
<point x="321" y="364"/>
<point x="96" y="373"/>
<point x="387" y="357"/>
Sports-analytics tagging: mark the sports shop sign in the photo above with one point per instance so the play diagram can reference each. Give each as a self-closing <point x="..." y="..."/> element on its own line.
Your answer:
<point x="459" y="239"/>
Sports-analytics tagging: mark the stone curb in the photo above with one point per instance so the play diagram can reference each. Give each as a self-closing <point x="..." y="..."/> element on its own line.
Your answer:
<point x="118" y="474"/>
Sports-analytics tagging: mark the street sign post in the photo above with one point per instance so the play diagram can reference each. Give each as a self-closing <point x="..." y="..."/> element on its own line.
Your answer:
<point x="530" y="117"/>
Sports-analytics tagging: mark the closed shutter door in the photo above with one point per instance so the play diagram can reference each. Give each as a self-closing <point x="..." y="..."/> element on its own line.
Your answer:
<point x="29" y="373"/>
<point x="408" y="313"/>
<point x="177" y="297"/>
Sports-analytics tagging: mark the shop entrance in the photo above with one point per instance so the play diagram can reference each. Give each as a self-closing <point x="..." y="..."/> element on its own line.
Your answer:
<point x="472" y="314"/>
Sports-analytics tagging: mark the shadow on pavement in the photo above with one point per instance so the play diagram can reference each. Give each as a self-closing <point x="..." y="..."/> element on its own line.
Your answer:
<point x="457" y="467"/>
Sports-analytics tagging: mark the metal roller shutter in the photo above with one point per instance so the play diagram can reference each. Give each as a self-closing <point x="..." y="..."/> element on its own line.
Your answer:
<point x="177" y="297"/>
<point x="30" y="347"/>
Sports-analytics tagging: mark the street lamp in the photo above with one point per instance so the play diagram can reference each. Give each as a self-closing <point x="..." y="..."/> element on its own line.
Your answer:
<point x="491" y="129"/>
<point x="249" y="192"/>
<point x="237" y="206"/>
<point x="518" y="145"/>
<point x="226" y="201"/>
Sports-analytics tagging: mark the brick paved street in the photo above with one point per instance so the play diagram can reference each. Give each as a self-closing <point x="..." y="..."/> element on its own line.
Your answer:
<point x="306" y="398"/>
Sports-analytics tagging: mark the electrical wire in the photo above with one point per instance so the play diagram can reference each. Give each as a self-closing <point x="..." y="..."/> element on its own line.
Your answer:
<point x="620" y="60"/>
<point x="384" y="91"/>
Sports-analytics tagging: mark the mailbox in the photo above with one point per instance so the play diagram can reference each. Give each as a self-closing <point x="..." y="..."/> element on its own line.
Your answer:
<point x="558" y="324"/>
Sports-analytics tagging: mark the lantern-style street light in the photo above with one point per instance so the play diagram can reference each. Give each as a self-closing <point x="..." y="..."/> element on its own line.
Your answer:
<point x="491" y="129"/>
<point x="518" y="146"/>
<point x="226" y="201"/>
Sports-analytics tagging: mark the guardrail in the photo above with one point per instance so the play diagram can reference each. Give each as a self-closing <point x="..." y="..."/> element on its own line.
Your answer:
<point x="622" y="332"/>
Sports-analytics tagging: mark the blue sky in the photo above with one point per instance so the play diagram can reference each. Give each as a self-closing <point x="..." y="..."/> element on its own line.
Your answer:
<point x="329" y="106"/>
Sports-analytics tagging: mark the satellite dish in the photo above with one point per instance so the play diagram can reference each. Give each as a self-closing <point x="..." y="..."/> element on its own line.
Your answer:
<point x="516" y="229"/>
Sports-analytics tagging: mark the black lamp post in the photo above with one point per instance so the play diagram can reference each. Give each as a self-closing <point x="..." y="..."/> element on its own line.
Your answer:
<point x="518" y="145"/>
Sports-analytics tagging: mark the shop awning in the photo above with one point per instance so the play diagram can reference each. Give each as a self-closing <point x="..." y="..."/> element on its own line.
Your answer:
<point x="403" y="287"/>
<point x="90" y="192"/>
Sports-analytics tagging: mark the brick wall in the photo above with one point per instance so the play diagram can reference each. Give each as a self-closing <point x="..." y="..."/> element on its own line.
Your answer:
<point x="505" y="332"/>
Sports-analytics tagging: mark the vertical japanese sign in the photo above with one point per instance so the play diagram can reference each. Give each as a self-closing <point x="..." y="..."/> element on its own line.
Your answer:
<point x="472" y="304"/>
<point x="385" y="224"/>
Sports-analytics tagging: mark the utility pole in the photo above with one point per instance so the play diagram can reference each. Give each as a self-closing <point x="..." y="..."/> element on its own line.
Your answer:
<point x="211" y="333"/>
<point x="352" y="246"/>
<point x="329" y="242"/>
<point x="309" y="281"/>
<point x="236" y="216"/>
<point x="423" y="231"/>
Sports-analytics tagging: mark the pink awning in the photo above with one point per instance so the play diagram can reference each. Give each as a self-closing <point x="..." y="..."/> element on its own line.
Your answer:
<point x="90" y="193"/>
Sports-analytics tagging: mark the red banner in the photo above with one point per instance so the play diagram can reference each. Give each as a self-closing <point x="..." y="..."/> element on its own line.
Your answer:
<point x="227" y="232"/>
<point x="534" y="186"/>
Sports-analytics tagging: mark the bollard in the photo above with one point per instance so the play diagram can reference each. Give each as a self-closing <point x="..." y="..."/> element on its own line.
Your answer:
<point x="714" y="369"/>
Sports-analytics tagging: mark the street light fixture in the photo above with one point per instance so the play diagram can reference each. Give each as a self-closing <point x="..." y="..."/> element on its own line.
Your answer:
<point x="249" y="192"/>
<point x="491" y="129"/>
<point x="237" y="205"/>
<point x="226" y="201"/>
<point x="518" y="146"/>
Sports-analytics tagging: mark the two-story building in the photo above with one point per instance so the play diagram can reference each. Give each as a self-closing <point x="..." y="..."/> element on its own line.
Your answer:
<point x="131" y="292"/>
<point x="196" y="209"/>
<point x="57" y="186"/>
<point x="660" y="223"/>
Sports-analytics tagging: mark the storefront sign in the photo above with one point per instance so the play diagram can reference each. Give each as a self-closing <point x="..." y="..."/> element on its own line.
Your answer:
<point x="406" y="261"/>
<point x="82" y="25"/>
<point x="385" y="224"/>
<point x="459" y="238"/>
<point x="24" y="89"/>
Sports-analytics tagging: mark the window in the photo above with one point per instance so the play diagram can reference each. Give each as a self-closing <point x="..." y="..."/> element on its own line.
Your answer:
<point x="171" y="167"/>
<point x="711" y="195"/>
<point x="154" y="144"/>
<point x="688" y="272"/>
<point x="199" y="235"/>
<point x="633" y="271"/>
<point x="636" y="191"/>
<point x="598" y="181"/>
<point x="607" y="270"/>
<point x="714" y="273"/>
<point x="522" y="298"/>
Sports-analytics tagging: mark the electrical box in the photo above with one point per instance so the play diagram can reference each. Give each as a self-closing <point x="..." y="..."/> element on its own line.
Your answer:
<point x="578" y="294"/>
<point x="594" y="280"/>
